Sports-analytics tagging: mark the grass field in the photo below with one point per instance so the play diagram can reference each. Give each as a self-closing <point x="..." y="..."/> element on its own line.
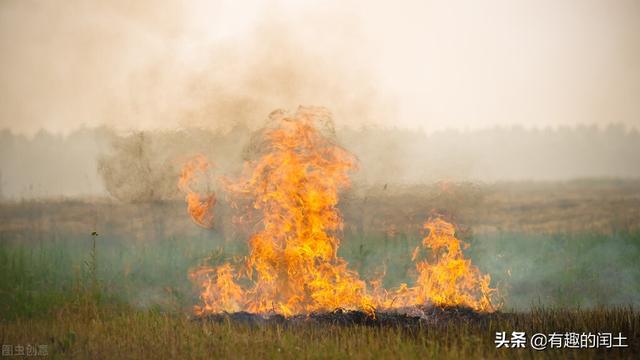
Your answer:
<point x="85" y="331"/>
<point x="129" y="297"/>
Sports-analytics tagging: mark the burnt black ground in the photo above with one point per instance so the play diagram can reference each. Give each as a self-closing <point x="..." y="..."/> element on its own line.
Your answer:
<point x="406" y="318"/>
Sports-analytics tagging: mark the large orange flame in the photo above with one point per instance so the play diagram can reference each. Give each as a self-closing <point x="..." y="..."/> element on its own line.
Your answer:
<point x="293" y="266"/>
<point x="200" y="207"/>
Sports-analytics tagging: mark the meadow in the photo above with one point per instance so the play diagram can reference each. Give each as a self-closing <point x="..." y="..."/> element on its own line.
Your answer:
<point x="95" y="278"/>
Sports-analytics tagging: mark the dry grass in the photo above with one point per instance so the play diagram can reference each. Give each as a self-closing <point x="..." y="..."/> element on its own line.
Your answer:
<point x="96" y="333"/>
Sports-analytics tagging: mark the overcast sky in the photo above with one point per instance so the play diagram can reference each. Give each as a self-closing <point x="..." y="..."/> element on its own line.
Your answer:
<point x="418" y="64"/>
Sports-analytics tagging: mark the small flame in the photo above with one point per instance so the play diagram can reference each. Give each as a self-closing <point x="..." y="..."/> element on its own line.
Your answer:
<point x="445" y="278"/>
<point x="200" y="207"/>
<point x="293" y="266"/>
<point x="451" y="279"/>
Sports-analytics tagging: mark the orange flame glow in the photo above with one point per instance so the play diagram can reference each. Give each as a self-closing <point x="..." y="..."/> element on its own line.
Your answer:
<point x="200" y="207"/>
<point x="445" y="279"/>
<point x="451" y="279"/>
<point x="293" y="266"/>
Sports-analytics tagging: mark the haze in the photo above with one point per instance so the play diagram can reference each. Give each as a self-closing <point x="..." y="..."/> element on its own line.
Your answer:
<point x="421" y="65"/>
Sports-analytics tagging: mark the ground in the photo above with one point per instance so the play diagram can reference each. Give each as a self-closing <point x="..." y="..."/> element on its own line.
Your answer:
<point x="564" y="256"/>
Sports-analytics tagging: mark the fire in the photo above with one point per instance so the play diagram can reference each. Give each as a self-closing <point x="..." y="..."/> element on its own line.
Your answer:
<point x="445" y="278"/>
<point x="450" y="279"/>
<point x="293" y="266"/>
<point x="200" y="207"/>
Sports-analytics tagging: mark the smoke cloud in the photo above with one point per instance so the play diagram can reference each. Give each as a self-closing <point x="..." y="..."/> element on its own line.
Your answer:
<point x="148" y="67"/>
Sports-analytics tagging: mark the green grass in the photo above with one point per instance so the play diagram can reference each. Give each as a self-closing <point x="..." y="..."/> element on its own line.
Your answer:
<point x="35" y="278"/>
<point x="140" y="301"/>
<point x="579" y="270"/>
<point x="565" y="270"/>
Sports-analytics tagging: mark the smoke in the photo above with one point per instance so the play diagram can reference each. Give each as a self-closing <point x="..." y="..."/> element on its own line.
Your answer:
<point x="146" y="67"/>
<point x="419" y="63"/>
<point x="224" y="67"/>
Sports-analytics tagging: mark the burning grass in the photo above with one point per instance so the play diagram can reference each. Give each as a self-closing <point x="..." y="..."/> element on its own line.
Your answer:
<point x="200" y="207"/>
<point x="292" y="187"/>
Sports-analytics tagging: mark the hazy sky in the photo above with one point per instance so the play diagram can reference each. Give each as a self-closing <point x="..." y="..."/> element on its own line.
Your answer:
<point x="429" y="64"/>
